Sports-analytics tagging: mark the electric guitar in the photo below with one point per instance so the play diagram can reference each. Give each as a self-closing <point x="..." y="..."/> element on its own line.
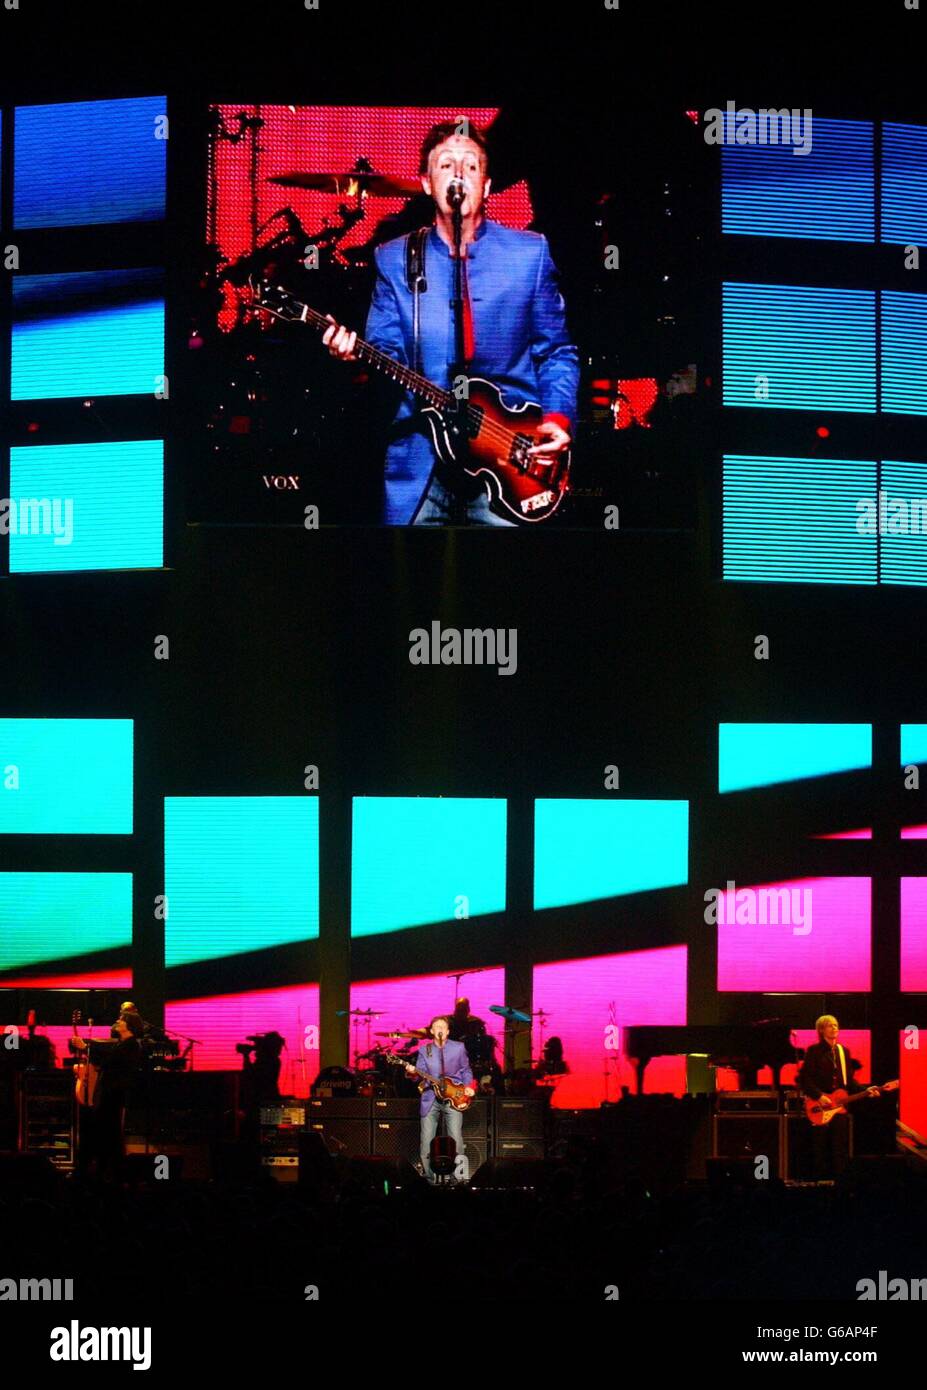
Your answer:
<point x="822" y="1115"/>
<point x="522" y="487"/>
<point x="444" y="1087"/>
<point x="86" y="1075"/>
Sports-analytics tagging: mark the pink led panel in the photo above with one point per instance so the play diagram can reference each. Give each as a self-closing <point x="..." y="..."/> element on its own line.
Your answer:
<point x="583" y="998"/>
<point x="913" y="1077"/>
<point x="226" y="1019"/>
<point x="914" y="933"/>
<point x="412" y="1001"/>
<point x="833" y="956"/>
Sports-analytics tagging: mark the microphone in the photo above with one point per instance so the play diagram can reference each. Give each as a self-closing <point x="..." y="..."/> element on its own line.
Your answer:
<point x="456" y="192"/>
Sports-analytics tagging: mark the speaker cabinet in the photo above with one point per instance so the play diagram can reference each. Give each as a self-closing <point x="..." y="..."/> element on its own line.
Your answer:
<point x="519" y="1118"/>
<point x="343" y="1124"/>
<point x="396" y="1138"/>
<point x="750" y="1136"/>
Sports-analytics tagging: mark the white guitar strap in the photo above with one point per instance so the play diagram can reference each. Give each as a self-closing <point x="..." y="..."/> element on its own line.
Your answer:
<point x="843" y="1064"/>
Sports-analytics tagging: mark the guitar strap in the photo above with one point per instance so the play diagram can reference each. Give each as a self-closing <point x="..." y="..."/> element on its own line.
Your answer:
<point x="843" y="1064"/>
<point x="418" y="285"/>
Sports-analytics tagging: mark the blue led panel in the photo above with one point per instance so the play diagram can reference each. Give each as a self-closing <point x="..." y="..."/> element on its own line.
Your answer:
<point x="92" y="333"/>
<point x="241" y="873"/>
<point x="902" y="520"/>
<point x="83" y="162"/>
<point x="53" y="916"/>
<point x="86" y="506"/>
<point x="65" y="776"/>
<point x="425" y="859"/>
<point x="762" y="755"/>
<point x="904" y="184"/>
<point x="795" y="519"/>
<point x="826" y="194"/>
<point x="810" y="349"/>
<point x="585" y="851"/>
<point x="913" y="744"/>
<point x="904" y="353"/>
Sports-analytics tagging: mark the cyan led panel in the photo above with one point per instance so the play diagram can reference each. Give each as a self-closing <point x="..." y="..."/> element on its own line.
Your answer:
<point x="795" y="519"/>
<point x="420" y="859"/>
<point x="588" y="850"/>
<point x="913" y="744"/>
<point x="86" y="506"/>
<point x="65" y="776"/>
<point x="903" y="521"/>
<point x="47" y="917"/>
<point x="241" y="873"/>
<point x="762" y="755"/>
<point x="904" y="353"/>
<point x="91" y="333"/>
<point x="795" y="347"/>
<point x="825" y="194"/>
<point x="83" y="162"/>
<point x="904" y="184"/>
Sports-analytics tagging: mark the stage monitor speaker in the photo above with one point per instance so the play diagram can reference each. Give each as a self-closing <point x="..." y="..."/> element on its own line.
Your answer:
<point x="519" y="1118"/>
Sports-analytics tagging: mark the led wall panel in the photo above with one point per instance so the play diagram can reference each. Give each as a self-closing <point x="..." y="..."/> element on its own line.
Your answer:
<point x="913" y="744"/>
<point x="51" y="917"/>
<point x="902" y="522"/>
<point x="764" y="942"/>
<point x="914" y="933"/>
<point x="83" y="162"/>
<point x="856" y="1041"/>
<point x="825" y="192"/>
<point x="912" y="1110"/>
<point x="241" y="874"/>
<point x="762" y="755"/>
<point x="797" y="347"/>
<point x="589" y="850"/>
<point x="90" y="333"/>
<point x="904" y="353"/>
<point x="795" y="520"/>
<point x="587" y="1000"/>
<point x="425" y="859"/>
<point x="904" y="184"/>
<point x="413" y="1000"/>
<point x="66" y="776"/>
<point x="222" y="1020"/>
<point x="86" y="507"/>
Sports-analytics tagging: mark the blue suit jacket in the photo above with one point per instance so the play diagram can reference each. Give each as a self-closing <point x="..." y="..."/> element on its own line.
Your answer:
<point x="520" y="339"/>
<point x="456" y="1066"/>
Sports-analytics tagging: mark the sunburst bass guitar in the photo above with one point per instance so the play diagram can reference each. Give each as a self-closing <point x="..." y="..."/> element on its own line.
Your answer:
<point x="522" y="487"/>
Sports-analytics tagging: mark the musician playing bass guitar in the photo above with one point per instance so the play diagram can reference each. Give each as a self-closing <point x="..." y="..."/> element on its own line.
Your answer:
<point x="441" y="1058"/>
<point x="827" y="1068"/>
<point x="514" y="336"/>
<point x="100" y="1129"/>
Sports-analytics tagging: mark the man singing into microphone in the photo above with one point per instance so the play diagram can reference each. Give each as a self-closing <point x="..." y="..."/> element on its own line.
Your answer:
<point x="441" y="1058"/>
<point x="514" y="330"/>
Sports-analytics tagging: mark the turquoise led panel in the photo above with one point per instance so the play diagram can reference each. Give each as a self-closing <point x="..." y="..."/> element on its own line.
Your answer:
<point x="764" y="755"/>
<point x="65" y="776"/>
<point x="46" y="917"/>
<point x="587" y="850"/>
<point x="426" y="859"/>
<point x="241" y="873"/>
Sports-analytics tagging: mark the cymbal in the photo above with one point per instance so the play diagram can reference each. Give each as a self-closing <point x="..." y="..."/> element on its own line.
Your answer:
<point x="380" y="185"/>
<point x="404" y="1033"/>
<point x="513" y="1015"/>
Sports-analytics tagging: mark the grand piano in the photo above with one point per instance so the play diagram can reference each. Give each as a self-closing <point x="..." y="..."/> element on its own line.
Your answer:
<point x="746" y="1047"/>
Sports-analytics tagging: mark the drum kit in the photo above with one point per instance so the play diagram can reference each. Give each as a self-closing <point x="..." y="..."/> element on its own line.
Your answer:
<point x="374" y="1071"/>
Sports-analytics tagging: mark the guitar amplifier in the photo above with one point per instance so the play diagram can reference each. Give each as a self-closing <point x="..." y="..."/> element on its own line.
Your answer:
<point x="748" y="1102"/>
<point x="746" y="1135"/>
<point x="344" y="1124"/>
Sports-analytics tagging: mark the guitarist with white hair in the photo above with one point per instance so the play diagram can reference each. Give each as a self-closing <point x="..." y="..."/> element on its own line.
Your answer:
<point x="828" y="1068"/>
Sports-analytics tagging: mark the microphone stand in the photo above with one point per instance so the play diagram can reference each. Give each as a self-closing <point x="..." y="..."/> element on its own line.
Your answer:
<point x="458" y="417"/>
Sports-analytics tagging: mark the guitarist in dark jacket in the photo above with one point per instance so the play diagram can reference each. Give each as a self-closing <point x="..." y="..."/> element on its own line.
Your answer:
<point x="828" y="1067"/>
<point x="101" y="1128"/>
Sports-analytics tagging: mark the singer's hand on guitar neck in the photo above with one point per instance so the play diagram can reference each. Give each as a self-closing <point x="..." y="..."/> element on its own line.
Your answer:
<point x="340" y="341"/>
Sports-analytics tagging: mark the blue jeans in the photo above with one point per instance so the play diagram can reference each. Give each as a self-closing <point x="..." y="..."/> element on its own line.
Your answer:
<point x="453" y="1121"/>
<point x="440" y="508"/>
